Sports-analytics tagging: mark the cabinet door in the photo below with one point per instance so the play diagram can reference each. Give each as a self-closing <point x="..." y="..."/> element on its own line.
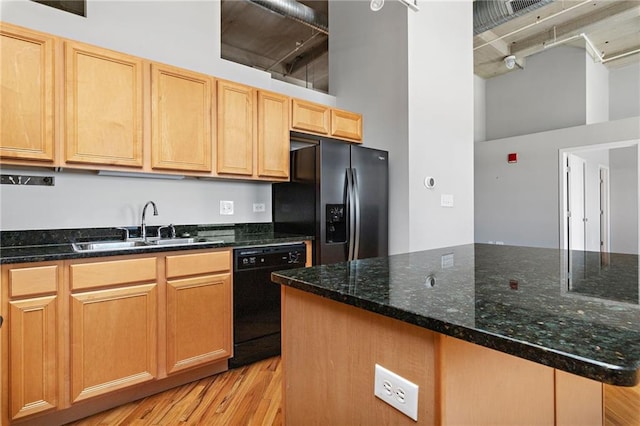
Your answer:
<point x="33" y="353"/>
<point x="181" y="119"/>
<point x="345" y="124"/>
<point x="31" y="335"/>
<point x="198" y="321"/>
<point x="310" y="117"/>
<point x="27" y="98"/>
<point x="273" y="135"/>
<point x="113" y="339"/>
<point x="103" y="106"/>
<point x="236" y="118"/>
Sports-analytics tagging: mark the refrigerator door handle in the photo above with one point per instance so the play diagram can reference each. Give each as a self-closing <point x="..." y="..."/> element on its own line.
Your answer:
<point x="356" y="215"/>
<point x="350" y="212"/>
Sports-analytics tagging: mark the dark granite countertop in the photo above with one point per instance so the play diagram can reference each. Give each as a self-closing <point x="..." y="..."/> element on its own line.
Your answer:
<point x="517" y="300"/>
<point x="46" y="245"/>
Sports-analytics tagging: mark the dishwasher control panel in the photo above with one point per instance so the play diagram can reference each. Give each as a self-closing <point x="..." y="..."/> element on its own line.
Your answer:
<point x="293" y="255"/>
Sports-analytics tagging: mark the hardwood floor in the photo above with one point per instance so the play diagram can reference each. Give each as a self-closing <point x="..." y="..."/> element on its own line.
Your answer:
<point x="252" y="395"/>
<point x="249" y="395"/>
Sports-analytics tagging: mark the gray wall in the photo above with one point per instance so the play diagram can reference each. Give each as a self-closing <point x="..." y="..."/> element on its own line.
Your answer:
<point x="368" y="73"/>
<point x="549" y="93"/>
<point x="597" y="91"/>
<point x="382" y="63"/>
<point x="624" y="199"/>
<point x="519" y="203"/>
<point x="181" y="33"/>
<point x="624" y="91"/>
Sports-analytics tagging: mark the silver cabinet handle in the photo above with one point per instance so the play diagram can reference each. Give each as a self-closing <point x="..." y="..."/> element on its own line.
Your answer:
<point x="357" y="219"/>
<point x="350" y="210"/>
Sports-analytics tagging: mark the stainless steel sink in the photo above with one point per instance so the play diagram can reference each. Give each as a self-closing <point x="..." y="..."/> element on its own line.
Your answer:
<point x="174" y="241"/>
<point x="127" y="245"/>
<point x="108" y="245"/>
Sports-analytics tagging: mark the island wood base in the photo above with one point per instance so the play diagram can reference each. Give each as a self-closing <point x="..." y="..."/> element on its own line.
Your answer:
<point x="329" y="353"/>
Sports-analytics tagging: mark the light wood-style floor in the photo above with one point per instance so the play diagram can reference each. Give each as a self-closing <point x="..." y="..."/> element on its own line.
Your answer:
<point x="252" y="395"/>
<point x="249" y="395"/>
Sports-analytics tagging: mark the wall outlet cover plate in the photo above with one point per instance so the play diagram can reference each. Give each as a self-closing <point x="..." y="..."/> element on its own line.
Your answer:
<point x="396" y="391"/>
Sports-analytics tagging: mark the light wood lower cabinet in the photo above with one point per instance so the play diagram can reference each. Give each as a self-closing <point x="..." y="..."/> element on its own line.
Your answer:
<point x="30" y="339"/>
<point x="80" y="333"/>
<point x="113" y="339"/>
<point x="198" y="309"/>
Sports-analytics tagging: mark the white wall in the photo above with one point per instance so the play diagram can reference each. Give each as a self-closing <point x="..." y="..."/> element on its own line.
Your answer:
<point x="81" y="200"/>
<point x="368" y="73"/>
<point x="441" y="123"/>
<point x="549" y="93"/>
<point x="624" y="200"/>
<point x="519" y="203"/>
<point x="597" y="91"/>
<point x="624" y="91"/>
<point x="479" y="109"/>
<point x="181" y="33"/>
<point x="378" y="60"/>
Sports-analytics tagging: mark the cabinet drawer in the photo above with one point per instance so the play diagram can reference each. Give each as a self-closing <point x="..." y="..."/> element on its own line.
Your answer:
<point x="98" y="274"/>
<point x="201" y="263"/>
<point x="32" y="281"/>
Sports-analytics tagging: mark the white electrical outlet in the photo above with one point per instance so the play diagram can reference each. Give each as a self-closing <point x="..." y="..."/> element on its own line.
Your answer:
<point x="258" y="207"/>
<point x="396" y="391"/>
<point x="226" y="207"/>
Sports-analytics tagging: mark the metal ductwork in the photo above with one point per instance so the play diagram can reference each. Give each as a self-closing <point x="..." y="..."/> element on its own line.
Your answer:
<point x="491" y="13"/>
<point x="296" y="11"/>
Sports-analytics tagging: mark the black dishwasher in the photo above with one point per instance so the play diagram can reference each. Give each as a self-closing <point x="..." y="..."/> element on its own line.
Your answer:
<point x="256" y="300"/>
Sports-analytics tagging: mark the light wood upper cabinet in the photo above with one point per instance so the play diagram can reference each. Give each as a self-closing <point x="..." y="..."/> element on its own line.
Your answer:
<point x="323" y="120"/>
<point x="310" y="117"/>
<point x="273" y="135"/>
<point x="345" y="124"/>
<point x="236" y="130"/>
<point x="103" y="106"/>
<point x="27" y="97"/>
<point x="181" y="105"/>
<point x="32" y="327"/>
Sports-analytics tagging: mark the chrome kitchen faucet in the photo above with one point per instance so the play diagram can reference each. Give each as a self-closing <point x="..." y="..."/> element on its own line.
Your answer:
<point x="143" y="227"/>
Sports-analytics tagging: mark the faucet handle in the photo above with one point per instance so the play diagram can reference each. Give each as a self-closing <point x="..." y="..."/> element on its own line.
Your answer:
<point x="126" y="232"/>
<point x="172" y="229"/>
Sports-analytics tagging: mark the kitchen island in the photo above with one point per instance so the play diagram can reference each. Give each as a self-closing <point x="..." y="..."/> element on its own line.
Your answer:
<point x="490" y="334"/>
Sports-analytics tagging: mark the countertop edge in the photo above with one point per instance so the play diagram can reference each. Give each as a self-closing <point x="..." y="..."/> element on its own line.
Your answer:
<point x="605" y="373"/>
<point x="66" y="251"/>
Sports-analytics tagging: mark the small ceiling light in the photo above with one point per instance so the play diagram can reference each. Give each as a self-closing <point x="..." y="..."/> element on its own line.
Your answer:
<point x="376" y="5"/>
<point x="510" y="61"/>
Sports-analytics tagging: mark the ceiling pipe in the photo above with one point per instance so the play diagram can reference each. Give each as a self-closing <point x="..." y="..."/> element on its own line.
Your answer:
<point x="296" y="11"/>
<point x="488" y="14"/>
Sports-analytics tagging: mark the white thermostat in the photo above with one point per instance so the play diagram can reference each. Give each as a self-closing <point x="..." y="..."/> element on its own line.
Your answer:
<point x="429" y="182"/>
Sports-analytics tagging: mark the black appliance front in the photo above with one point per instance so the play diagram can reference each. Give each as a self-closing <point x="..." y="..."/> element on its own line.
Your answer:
<point x="256" y="300"/>
<point x="339" y="194"/>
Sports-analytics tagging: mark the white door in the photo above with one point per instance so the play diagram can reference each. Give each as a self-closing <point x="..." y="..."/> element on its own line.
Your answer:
<point x="576" y="214"/>
<point x="604" y="209"/>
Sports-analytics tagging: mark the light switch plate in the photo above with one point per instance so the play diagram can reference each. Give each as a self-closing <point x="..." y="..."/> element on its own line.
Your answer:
<point x="446" y="200"/>
<point x="396" y="391"/>
<point x="226" y="208"/>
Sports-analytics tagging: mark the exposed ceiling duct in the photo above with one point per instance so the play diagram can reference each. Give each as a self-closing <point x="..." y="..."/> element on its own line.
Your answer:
<point x="491" y="13"/>
<point x="297" y="11"/>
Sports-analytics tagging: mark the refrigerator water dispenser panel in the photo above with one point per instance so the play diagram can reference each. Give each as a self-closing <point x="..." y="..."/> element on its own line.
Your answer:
<point x="336" y="229"/>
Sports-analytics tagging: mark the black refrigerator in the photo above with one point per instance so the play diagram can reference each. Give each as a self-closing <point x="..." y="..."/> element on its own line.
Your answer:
<point x="340" y="194"/>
